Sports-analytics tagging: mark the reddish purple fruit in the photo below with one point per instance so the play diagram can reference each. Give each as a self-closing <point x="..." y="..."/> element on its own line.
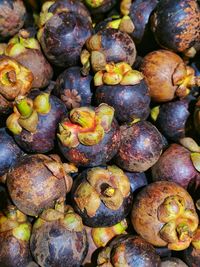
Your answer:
<point x="141" y="146"/>
<point x="181" y="170"/>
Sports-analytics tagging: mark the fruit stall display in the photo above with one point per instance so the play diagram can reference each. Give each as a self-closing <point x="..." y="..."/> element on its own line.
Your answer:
<point x="100" y="133"/>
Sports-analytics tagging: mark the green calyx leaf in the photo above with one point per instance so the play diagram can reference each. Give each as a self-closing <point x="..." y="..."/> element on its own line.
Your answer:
<point x="22" y="232"/>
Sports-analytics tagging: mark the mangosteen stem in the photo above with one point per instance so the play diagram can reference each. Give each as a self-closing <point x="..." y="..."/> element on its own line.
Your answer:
<point x="11" y="75"/>
<point x="109" y="191"/>
<point x="24" y="107"/>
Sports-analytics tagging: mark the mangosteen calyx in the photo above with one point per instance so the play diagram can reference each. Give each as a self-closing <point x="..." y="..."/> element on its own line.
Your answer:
<point x="120" y="73"/>
<point x="86" y="126"/>
<point x="26" y="112"/>
<point x="109" y="186"/>
<point x="180" y="223"/>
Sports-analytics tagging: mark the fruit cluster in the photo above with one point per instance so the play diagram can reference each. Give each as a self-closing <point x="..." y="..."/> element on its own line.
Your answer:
<point x="99" y="133"/>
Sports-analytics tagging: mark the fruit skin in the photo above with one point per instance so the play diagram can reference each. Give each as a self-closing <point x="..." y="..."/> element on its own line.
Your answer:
<point x="172" y="119"/>
<point x="33" y="187"/>
<point x="192" y="256"/>
<point x="57" y="242"/>
<point x="128" y="250"/>
<point x="137" y="180"/>
<point x="10" y="152"/>
<point x="73" y="88"/>
<point x="43" y="139"/>
<point x="59" y="38"/>
<point x="141" y="146"/>
<point x="146" y="218"/>
<point x="129" y="101"/>
<point x="104" y="216"/>
<point x="176" y="24"/>
<point x="166" y="68"/>
<point x="12" y="13"/>
<point x="180" y="171"/>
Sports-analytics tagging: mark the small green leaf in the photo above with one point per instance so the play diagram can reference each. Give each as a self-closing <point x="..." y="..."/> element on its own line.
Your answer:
<point x="190" y="144"/>
<point x="155" y="112"/>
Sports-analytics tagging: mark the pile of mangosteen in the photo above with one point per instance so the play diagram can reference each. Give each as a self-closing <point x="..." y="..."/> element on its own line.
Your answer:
<point x="100" y="133"/>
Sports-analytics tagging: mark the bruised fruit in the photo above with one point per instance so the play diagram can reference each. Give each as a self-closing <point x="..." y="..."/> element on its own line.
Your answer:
<point x="176" y="25"/>
<point x="89" y="136"/>
<point x="26" y="50"/>
<point x="164" y="214"/>
<point x="13" y="14"/>
<point x="128" y="250"/>
<point x="9" y="151"/>
<point x="102" y="196"/>
<point x="63" y="31"/>
<point x="99" y="237"/>
<point x="35" y="120"/>
<point x="58" y="238"/>
<point x="15" y="80"/>
<point x="125" y="90"/>
<point x="97" y="7"/>
<point x="141" y="146"/>
<point x="172" y="119"/>
<point x="74" y="89"/>
<point x="176" y="165"/>
<point x="167" y="76"/>
<point x="37" y="181"/>
<point x="15" y="232"/>
<point x="108" y="45"/>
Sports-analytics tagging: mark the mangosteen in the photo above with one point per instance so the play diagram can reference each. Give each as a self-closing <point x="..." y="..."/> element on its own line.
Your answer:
<point x="99" y="237"/>
<point x="176" y="165"/>
<point x="141" y="146"/>
<point x="26" y="50"/>
<point x="172" y="119"/>
<point x="100" y="6"/>
<point x="102" y="196"/>
<point x="125" y="90"/>
<point x="37" y="181"/>
<point x="58" y="238"/>
<point x="13" y="14"/>
<point x="164" y="214"/>
<point x="15" y="232"/>
<point x="74" y="89"/>
<point x="35" y="120"/>
<point x="172" y="262"/>
<point x="9" y="151"/>
<point x="128" y="250"/>
<point x="15" y="80"/>
<point x="176" y="25"/>
<point x="167" y="75"/>
<point x="63" y="31"/>
<point x="89" y="136"/>
<point x="107" y="45"/>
